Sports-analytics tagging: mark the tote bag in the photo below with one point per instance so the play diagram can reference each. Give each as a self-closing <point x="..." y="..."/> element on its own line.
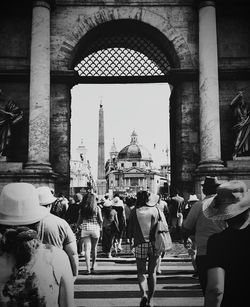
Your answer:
<point x="163" y="241"/>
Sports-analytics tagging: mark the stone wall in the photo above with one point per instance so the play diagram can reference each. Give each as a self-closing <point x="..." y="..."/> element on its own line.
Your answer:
<point x="60" y="134"/>
<point x="177" y="21"/>
<point x="70" y="24"/>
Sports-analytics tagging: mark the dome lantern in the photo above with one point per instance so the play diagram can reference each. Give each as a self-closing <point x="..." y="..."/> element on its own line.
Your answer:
<point x="134" y="139"/>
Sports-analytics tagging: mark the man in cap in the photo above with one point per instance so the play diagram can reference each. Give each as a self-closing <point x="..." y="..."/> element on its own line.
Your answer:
<point x="202" y="228"/>
<point x="56" y="231"/>
<point x="228" y="252"/>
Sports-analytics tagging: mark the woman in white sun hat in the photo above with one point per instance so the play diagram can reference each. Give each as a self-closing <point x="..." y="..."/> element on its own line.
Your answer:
<point x="30" y="272"/>
<point x="228" y="252"/>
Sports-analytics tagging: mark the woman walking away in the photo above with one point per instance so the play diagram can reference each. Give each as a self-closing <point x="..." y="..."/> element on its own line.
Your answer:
<point x="31" y="273"/>
<point x="228" y="252"/>
<point x="118" y="205"/>
<point x="110" y="227"/>
<point x="90" y="223"/>
<point x="142" y="219"/>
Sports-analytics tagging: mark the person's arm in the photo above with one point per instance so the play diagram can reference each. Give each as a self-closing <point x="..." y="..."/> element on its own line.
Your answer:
<point x="124" y="216"/>
<point x="66" y="288"/>
<point x="190" y="222"/>
<point x="71" y="250"/>
<point x="79" y="220"/>
<point x="215" y="287"/>
<point x="130" y="226"/>
<point x="99" y="217"/>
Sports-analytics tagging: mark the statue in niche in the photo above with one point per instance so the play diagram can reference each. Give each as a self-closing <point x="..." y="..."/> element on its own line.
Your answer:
<point x="10" y="114"/>
<point x="241" y="126"/>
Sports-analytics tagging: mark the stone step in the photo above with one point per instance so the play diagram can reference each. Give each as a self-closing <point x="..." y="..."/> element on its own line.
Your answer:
<point x="115" y="284"/>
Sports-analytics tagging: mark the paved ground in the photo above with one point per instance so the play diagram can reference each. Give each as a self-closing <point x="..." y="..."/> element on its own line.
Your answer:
<point x="115" y="284"/>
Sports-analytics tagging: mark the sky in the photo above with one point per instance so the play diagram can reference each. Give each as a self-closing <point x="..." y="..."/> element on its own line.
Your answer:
<point x="127" y="107"/>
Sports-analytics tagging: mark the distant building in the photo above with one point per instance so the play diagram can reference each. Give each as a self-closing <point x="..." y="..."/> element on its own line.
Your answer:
<point x="80" y="170"/>
<point x="130" y="169"/>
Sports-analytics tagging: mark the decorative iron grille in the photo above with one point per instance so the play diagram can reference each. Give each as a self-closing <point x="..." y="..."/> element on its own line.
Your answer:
<point x="122" y="56"/>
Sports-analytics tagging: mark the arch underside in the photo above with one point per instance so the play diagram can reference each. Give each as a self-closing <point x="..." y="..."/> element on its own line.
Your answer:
<point x="134" y="37"/>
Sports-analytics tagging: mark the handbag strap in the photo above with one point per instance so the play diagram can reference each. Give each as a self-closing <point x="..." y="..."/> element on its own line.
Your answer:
<point x="159" y="214"/>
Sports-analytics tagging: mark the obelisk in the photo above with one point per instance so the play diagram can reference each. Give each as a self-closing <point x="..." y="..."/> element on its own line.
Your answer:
<point x="101" y="180"/>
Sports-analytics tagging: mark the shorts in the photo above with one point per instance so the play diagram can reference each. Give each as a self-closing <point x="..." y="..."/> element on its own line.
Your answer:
<point x="144" y="250"/>
<point x="93" y="233"/>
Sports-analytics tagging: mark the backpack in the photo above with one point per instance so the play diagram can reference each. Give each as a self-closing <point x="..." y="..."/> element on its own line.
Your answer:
<point x="163" y="241"/>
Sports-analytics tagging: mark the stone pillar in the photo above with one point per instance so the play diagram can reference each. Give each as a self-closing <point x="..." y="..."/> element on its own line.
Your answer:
<point x="209" y="88"/>
<point x="101" y="181"/>
<point x="39" y="112"/>
<point x="101" y="151"/>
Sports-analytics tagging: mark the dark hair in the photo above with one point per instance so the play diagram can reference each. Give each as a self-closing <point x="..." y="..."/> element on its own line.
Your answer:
<point x="22" y="242"/>
<point x="208" y="190"/>
<point x="88" y="206"/>
<point x="142" y="198"/>
<point x="78" y="197"/>
<point x="106" y="211"/>
<point x="175" y="191"/>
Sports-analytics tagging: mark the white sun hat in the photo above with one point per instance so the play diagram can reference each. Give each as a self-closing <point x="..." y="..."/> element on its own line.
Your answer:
<point x="153" y="200"/>
<point x="45" y="196"/>
<point x="19" y="205"/>
<point x="193" y="197"/>
<point x="231" y="200"/>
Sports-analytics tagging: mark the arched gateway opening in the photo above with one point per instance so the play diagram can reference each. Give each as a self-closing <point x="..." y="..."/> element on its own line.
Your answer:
<point x="123" y="52"/>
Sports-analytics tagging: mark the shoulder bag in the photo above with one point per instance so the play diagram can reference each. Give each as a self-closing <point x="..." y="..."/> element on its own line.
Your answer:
<point x="163" y="241"/>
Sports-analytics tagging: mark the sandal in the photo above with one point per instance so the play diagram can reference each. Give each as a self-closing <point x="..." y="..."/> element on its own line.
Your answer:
<point x="150" y="304"/>
<point x="144" y="301"/>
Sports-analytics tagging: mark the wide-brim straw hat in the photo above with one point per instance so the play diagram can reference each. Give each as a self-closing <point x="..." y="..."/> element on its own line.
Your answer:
<point x="45" y="196"/>
<point x="152" y="200"/>
<point x="193" y="197"/>
<point x="231" y="200"/>
<point x="19" y="205"/>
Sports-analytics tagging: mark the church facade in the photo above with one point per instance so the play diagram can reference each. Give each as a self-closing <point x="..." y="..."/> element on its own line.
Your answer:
<point x="130" y="170"/>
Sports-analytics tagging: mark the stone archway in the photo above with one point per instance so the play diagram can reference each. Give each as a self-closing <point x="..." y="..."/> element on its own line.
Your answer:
<point x="172" y="43"/>
<point x="83" y="25"/>
<point x="36" y="68"/>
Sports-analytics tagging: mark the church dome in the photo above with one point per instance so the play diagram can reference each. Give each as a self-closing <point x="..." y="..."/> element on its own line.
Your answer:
<point x="134" y="150"/>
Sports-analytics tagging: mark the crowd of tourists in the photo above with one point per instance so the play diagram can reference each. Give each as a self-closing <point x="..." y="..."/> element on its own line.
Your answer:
<point x="43" y="235"/>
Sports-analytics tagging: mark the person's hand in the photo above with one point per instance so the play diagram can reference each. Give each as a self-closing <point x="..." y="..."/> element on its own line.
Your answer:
<point x="188" y="243"/>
